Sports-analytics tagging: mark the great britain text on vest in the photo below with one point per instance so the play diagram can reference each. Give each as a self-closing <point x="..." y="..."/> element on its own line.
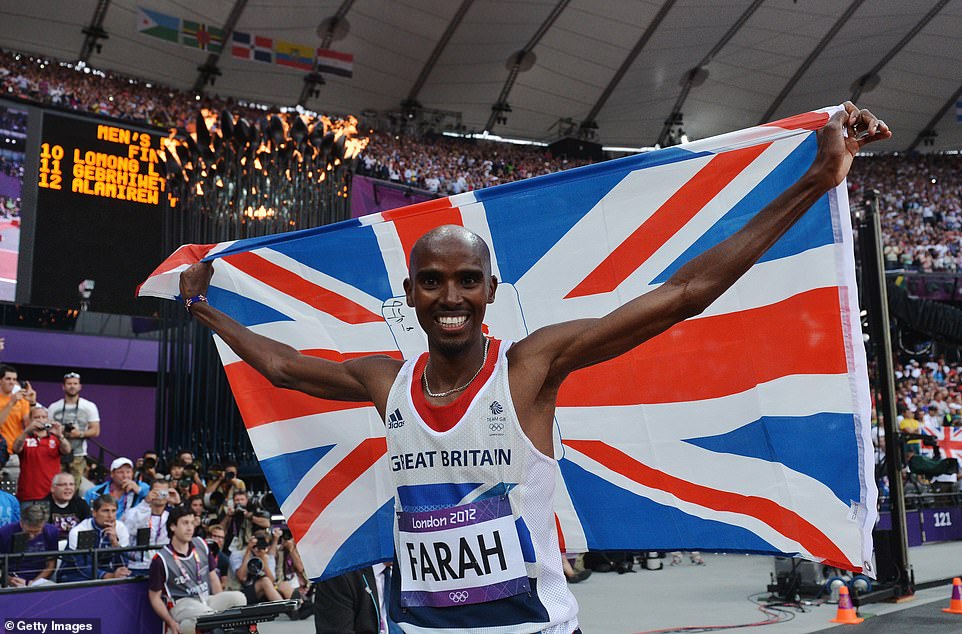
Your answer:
<point x="452" y="458"/>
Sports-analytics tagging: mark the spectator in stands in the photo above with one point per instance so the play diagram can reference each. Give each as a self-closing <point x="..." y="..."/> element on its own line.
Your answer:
<point x="9" y="508"/>
<point x="39" y="446"/>
<point x="151" y="514"/>
<point x="15" y="404"/>
<point x="39" y="537"/>
<point x="80" y="419"/>
<point x="121" y="486"/>
<point x="183" y="576"/>
<point x="226" y="482"/>
<point x="184" y="483"/>
<point x="239" y="526"/>
<point x="66" y="508"/>
<point x="294" y="583"/>
<point x="257" y="569"/>
<point x="107" y="533"/>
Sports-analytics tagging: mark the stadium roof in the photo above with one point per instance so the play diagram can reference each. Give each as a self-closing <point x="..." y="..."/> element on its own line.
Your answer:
<point x="561" y="66"/>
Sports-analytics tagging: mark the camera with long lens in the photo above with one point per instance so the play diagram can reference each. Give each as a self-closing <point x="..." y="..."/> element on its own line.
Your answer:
<point x="184" y="483"/>
<point x="150" y="463"/>
<point x="255" y="568"/>
<point x="213" y="547"/>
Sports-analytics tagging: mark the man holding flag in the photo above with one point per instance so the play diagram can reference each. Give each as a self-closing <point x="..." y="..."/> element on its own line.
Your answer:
<point x="475" y="413"/>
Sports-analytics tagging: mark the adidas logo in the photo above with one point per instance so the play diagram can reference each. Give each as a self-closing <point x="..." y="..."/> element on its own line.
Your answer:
<point x="395" y="420"/>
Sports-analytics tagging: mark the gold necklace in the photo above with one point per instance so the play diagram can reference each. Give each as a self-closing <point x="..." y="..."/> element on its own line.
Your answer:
<point x="454" y="390"/>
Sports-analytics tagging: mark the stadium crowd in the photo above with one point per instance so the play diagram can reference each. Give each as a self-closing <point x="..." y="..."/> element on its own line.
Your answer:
<point x="60" y="516"/>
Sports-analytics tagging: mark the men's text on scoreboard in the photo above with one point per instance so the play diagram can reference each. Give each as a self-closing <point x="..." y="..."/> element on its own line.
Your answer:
<point x="129" y="174"/>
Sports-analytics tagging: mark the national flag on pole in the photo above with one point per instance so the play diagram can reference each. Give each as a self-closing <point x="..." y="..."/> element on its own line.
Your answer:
<point x="335" y="63"/>
<point x="252" y="47"/>
<point x="197" y="35"/>
<point x="293" y="55"/>
<point x="745" y="429"/>
<point x="159" y="25"/>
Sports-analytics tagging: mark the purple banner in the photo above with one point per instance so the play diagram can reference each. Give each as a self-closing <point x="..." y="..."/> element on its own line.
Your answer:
<point x="369" y="195"/>
<point x="941" y="524"/>
<point x="10" y="186"/>
<point x="118" y="606"/>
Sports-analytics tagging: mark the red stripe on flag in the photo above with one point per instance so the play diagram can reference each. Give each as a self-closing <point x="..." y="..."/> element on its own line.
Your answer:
<point x="260" y="402"/>
<point x="292" y="284"/>
<point x="674" y="214"/>
<point x="786" y="522"/>
<point x="807" y="121"/>
<point x="187" y="254"/>
<point x="334" y="483"/>
<point x="414" y="221"/>
<point x="328" y="53"/>
<point x="719" y="355"/>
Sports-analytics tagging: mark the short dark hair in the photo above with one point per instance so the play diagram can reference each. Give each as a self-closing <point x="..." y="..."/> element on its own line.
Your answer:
<point x="103" y="500"/>
<point x="175" y="514"/>
<point x="229" y="463"/>
<point x="159" y="480"/>
<point x="4" y="368"/>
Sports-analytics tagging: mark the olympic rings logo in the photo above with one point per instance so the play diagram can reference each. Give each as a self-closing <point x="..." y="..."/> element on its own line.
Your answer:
<point x="496" y="426"/>
<point x="459" y="597"/>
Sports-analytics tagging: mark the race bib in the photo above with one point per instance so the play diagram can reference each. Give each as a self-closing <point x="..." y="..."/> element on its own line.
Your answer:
<point x="460" y="555"/>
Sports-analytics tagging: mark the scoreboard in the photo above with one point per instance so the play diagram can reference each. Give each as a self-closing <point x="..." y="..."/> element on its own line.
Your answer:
<point x="100" y="199"/>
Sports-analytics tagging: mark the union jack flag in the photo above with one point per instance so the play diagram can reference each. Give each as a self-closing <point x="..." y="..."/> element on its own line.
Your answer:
<point x="745" y="429"/>
<point x="949" y="439"/>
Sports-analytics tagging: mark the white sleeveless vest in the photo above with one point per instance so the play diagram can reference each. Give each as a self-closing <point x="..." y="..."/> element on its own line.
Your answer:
<point x="485" y="459"/>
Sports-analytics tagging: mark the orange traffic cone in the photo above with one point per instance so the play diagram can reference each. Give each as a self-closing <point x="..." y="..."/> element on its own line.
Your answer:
<point x="845" y="613"/>
<point x="955" y="605"/>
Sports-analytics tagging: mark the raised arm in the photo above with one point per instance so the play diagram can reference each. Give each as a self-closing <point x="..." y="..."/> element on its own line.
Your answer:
<point x="555" y="351"/>
<point x="363" y="379"/>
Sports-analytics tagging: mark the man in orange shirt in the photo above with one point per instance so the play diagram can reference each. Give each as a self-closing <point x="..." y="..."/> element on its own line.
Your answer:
<point x="15" y="407"/>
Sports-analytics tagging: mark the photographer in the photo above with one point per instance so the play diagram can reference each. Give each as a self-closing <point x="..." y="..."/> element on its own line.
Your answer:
<point x="183" y="479"/>
<point x="80" y="419"/>
<point x="151" y="514"/>
<point x="145" y="469"/>
<point x="239" y="525"/>
<point x="15" y="404"/>
<point x="183" y="580"/>
<point x="215" y="542"/>
<point x="39" y="446"/>
<point x="225" y="481"/>
<point x="256" y="571"/>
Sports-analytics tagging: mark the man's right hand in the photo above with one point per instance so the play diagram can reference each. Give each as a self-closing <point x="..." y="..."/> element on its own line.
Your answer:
<point x="173" y="627"/>
<point x="196" y="279"/>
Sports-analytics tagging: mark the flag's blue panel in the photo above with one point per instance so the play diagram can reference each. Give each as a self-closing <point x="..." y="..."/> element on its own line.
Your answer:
<point x="497" y="490"/>
<point x="338" y="254"/>
<point x="372" y="542"/>
<point x="800" y="443"/>
<point x="246" y="311"/>
<point x="528" y="217"/>
<point x="286" y="470"/>
<point x="813" y="230"/>
<point x="666" y="528"/>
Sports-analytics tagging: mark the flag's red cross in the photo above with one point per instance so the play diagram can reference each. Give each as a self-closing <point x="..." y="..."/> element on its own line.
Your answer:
<point x="951" y="448"/>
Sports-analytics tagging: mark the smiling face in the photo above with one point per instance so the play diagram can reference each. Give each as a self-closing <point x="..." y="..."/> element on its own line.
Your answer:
<point x="450" y="286"/>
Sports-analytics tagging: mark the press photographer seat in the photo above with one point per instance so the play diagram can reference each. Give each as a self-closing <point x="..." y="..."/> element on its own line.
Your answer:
<point x="243" y="619"/>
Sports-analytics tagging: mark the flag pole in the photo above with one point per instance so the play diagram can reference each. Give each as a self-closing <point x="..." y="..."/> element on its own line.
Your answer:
<point x="876" y="296"/>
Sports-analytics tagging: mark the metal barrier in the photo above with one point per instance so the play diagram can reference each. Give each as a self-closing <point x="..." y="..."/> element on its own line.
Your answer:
<point x="96" y="555"/>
